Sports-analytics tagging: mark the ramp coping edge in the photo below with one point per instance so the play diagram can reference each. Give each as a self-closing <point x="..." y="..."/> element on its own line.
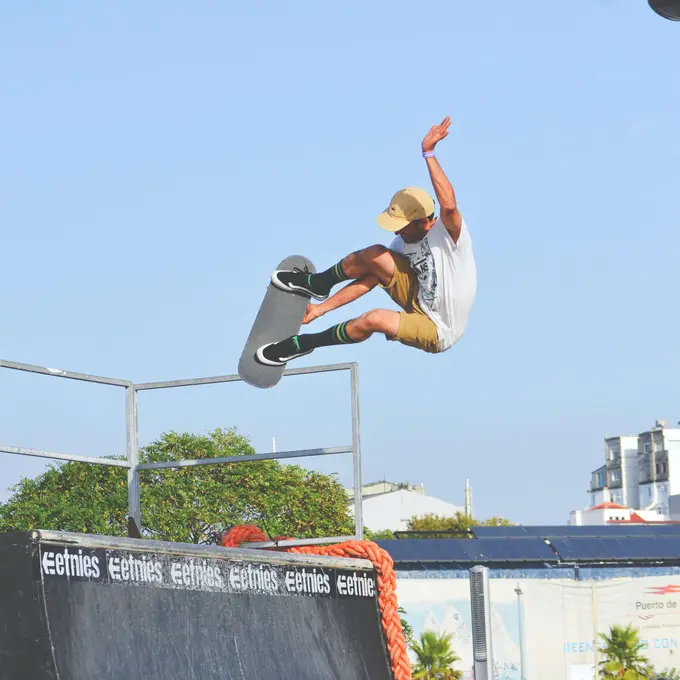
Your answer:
<point x="40" y="536"/>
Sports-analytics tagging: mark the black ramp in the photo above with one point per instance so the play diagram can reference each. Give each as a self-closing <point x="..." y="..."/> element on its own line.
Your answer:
<point x="280" y="316"/>
<point x="131" y="612"/>
<point x="23" y="633"/>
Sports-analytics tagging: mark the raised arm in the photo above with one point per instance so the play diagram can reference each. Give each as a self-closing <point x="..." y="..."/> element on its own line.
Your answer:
<point x="344" y="296"/>
<point x="450" y="216"/>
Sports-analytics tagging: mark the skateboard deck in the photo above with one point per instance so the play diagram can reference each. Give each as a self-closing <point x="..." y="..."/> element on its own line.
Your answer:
<point x="279" y="317"/>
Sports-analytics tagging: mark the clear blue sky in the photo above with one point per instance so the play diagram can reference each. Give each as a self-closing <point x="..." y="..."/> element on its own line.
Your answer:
<point x="158" y="159"/>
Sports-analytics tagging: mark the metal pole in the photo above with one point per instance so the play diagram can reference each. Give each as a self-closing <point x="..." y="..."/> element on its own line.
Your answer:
<point x="61" y="373"/>
<point x="132" y="443"/>
<point x="356" y="456"/>
<point x="520" y="620"/>
<point x="302" y="453"/>
<point x="480" y="605"/>
<point x="593" y="601"/>
<point x="134" y="502"/>
<point x="20" y="451"/>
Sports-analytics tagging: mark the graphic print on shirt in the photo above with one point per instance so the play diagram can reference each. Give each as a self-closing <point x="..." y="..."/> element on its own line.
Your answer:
<point x="422" y="262"/>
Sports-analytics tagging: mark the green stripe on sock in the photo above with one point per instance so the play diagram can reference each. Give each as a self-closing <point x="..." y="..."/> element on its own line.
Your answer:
<point x="336" y="331"/>
<point x="339" y="272"/>
<point x="334" y="335"/>
<point x="341" y="335"/>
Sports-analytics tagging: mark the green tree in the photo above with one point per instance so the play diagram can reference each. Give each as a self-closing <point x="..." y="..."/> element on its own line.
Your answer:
<point x="406" y="627"/>
<point x="382" y="535"/>
<point x="190" y="504"/>
<point x="622" y="655"/>
<point x="666" y="674"/>
<point x="435" y="657"/>
<point x="456" y="526"/>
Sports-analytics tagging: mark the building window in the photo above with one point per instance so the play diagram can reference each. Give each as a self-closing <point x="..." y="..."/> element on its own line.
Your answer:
<point x="661" y="468"/>
<point x="647" y="447"/>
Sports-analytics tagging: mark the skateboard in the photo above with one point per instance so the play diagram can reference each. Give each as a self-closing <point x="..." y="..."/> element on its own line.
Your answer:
<point x="279" y="317"/>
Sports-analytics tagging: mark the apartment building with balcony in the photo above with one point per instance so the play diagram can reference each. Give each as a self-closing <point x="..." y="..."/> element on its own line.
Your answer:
<point x="640" y="472"/>
<point x="617" y="480"/>
<point x="659" y="467"/>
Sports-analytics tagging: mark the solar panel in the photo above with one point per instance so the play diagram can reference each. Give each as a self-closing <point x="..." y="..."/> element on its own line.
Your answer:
<point x="657" y="530"/>
<point x="590" y="549"/>
<point x="636" y="548"/>
<point x="618" y="530"/>
<point x="501" y="550"/>
<point x="468" y="551"/>
<point x="616" y="549"/>
<point x="624" y="529"/>
<point x="464" y="553"/>
<point x="499" y="532"/>
<point x="656" y="548"/>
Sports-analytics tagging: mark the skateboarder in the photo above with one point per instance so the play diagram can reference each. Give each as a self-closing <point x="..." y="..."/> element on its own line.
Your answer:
<point x="428" y="270"/>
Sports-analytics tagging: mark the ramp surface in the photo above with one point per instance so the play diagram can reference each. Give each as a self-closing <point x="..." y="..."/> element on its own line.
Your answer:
<point x="77" y="607"/>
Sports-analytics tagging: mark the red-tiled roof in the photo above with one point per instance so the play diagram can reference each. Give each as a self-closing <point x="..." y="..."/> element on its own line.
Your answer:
<point x="609" y="506"/>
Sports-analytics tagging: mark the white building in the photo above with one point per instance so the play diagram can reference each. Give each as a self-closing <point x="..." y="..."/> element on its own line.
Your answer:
<point x="386" y="505"/>
<point x="640" y="473"/>
<point x="611" y="513"/>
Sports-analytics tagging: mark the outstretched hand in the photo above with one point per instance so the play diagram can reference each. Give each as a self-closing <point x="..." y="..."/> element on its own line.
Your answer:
<point x="313" y="312"/>
<point x="436" y="134"/>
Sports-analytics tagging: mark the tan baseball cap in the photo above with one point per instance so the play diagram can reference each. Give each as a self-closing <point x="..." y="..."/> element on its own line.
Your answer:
<point x="411" y="203"/>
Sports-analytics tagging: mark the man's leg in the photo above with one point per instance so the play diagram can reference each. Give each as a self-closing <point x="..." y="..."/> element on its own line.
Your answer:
<point x="376" y="260"/>
<point x="410" y="327"/>
<point x="353" y="331"/>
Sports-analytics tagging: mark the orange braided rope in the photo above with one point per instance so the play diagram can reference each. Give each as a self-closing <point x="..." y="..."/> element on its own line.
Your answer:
<point x="386" y="578"/>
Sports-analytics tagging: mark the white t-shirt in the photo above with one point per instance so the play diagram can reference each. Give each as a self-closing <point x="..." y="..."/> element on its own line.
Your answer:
<point x="447" y="275"/>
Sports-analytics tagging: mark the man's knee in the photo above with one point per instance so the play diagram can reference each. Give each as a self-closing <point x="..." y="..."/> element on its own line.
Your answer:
<point x="379" y="320"/>
<point x="372" y="320"/>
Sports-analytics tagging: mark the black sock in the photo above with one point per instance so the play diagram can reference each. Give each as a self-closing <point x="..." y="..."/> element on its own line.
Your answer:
<point x="326" y="280"/>
<point x="335" y="335"/>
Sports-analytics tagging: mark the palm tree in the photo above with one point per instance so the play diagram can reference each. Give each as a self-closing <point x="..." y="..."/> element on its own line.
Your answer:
<point x="623" y="659"/>
<point x="667" y="674"/>
<point x="435" y="657"/>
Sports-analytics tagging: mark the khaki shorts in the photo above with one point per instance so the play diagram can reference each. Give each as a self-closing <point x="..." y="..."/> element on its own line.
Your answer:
<point x="416" y="329"/>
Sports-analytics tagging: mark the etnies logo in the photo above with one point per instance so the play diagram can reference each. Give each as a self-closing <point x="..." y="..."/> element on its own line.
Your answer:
<point x="135" y="569"/>
<point x="306" y="582"/>
<point x="70" y="563"/>
<point x="356" y="585"/>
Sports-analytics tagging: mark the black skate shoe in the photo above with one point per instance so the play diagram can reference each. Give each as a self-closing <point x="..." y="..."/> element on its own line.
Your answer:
<point x="297" y="281"/>
<point x="280" y="353"/>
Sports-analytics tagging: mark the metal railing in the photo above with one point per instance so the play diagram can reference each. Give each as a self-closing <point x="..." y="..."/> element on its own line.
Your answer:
<point x="132" y="445"/>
